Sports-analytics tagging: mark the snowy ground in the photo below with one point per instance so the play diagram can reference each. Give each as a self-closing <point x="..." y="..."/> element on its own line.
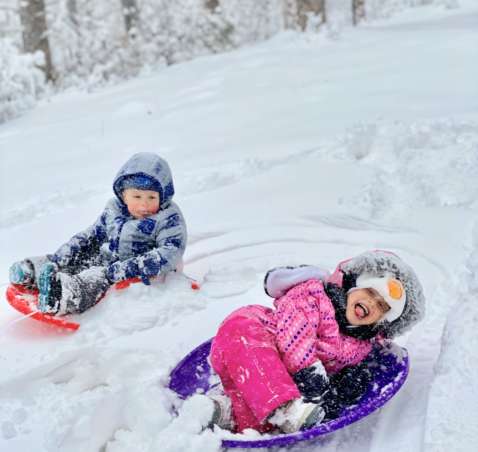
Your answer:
<point x="304" y="149"/>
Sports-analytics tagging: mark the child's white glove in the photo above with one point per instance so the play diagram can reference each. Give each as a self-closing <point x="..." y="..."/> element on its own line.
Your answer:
<point x="280" y="279"/>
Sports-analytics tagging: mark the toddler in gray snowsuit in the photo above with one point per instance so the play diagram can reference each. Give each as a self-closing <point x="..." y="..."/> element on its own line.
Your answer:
<point x="141" y="233"/>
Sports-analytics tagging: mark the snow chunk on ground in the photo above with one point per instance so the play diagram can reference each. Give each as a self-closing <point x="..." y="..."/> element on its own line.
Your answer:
<point x="422" y="164"/>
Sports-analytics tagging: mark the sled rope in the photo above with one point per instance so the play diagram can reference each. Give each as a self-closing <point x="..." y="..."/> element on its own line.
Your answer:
<point x="19" y="319"/>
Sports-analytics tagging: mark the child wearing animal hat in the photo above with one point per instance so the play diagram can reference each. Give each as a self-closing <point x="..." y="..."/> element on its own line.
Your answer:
<point x="141" y="233"/>
<point x="294" y="365"/>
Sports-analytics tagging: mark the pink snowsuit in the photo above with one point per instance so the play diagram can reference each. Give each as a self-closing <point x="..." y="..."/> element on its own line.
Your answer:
<point x="257" y="349"/>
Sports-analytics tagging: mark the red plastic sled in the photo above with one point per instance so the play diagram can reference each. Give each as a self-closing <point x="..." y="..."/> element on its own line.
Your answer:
<point x="26" y="301"/>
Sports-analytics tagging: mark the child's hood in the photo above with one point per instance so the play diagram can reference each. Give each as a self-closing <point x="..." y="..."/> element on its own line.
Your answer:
<point x="147" y="164"/>
<point x="379" y="262"/>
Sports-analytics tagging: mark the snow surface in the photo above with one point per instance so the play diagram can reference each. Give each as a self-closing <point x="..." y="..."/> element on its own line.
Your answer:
<point x="303" y="149"/>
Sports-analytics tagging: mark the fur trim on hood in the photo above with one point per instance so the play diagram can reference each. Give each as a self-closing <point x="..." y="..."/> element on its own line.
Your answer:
<point x="378" y="263"/>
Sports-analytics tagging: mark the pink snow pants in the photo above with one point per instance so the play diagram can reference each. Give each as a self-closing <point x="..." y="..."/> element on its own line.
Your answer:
<point x="245" y="357"/>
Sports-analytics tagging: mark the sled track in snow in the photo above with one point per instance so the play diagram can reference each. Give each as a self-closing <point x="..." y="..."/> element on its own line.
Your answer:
<point x="206" y="241"/>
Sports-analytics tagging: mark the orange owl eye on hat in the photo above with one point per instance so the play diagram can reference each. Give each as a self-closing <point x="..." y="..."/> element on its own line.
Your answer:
<point x="395" y="289"/>
<point x="389" y="288"/>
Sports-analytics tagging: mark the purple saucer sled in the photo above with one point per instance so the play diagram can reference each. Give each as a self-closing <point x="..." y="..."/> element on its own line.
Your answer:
<point x="388" y="363"/>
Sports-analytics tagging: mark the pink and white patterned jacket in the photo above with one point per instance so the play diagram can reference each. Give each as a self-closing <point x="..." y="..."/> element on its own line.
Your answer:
<point x="306" y="330"/>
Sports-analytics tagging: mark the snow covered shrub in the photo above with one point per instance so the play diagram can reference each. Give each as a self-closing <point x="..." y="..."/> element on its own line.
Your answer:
<point x="253" y="20"/>
<point x="376" y="9"/>
<point x="180" y="30"/>
<point x="21" y="80"/>
<point x="91" y="45"/>
<point x="423" y="164"/>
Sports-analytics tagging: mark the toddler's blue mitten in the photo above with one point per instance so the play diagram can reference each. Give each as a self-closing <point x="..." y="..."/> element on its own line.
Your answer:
<point x="112" y="273"/>
<point x="146" y="271"/>
<point x="150" y="268"/>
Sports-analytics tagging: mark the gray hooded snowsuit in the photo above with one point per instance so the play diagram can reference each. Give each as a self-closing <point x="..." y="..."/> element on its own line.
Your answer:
<point x="118" y="246"/>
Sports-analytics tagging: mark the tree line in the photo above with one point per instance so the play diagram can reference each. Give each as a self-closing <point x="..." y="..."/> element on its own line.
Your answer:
<point x="47" y="25"/>
<point x="50" y="45"/>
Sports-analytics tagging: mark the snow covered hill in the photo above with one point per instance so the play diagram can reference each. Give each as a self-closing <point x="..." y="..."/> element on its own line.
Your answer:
<point x="303" y="149"/>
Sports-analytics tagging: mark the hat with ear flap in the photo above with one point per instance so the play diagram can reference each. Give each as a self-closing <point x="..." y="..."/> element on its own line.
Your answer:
<point x="393" y="279"/>
<point x="389" y="288"/>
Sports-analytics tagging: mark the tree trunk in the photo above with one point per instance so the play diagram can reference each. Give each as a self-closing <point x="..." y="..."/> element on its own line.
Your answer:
<point x="72" y="9"/>
<point x="35" y="32"/>
<point x="131" y="17"/>
<point x="211" y="5"/>
<point x="307" y="7"/>
<point x="358" y="11"/>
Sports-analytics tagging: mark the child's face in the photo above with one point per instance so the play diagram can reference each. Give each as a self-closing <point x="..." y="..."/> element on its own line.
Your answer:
<point x="365" y="307"/>
<point x="141" y="203"/>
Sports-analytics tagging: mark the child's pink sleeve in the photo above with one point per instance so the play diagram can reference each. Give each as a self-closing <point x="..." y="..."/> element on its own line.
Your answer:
<point x="298" y="317"/>
<point x="307" y="331"/>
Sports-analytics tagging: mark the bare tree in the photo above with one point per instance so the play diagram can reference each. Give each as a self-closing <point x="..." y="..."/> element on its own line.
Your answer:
<point x="72" y="9"/>
<point x="35" y="32"/>
<point x="358" y="11"/>
<point x="131" y="17"/>
<point x="306" y="8"/>
<point x="211" y="5"/>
